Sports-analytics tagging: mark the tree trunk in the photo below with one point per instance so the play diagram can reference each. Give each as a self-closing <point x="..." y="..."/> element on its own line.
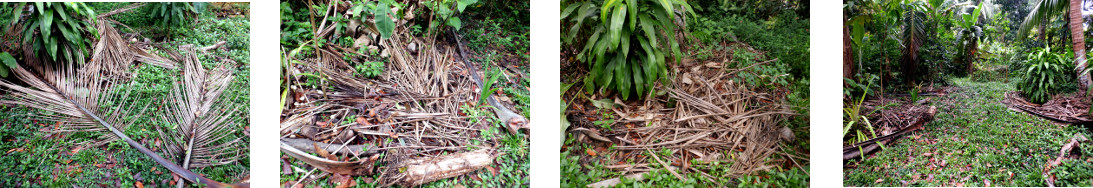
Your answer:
<point x="1077" y="40"/>
<point x="848" y="55"/>
<point x="1043" y="31"/>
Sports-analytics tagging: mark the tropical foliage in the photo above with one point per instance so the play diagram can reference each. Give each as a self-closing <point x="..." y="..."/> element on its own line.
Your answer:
<point x="624" y="42"/>
<point x="1044" y="75"/>
<point x="58" y="32"/>
<point x="172" y="14"/>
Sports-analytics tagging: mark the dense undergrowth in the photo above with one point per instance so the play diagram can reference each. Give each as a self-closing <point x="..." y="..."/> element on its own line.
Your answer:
<point x="35" y="158"/>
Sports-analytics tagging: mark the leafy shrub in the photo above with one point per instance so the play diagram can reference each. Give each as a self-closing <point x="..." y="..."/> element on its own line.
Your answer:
<point x="1045" y="73"/>
<point x="1073" y="173"/>
<point x="369" y="69"/>
<point x="295" y="26"/>
<point x="58" y="31"/>
<point x="172" y="14"/>
<point x="444" y="12"/>
<point x="380" y="12"/>
<point x="624" y="43"/>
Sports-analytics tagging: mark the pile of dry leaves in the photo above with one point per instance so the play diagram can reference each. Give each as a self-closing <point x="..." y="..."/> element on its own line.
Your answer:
<point x="701" y="114"/>
<point x="407" y="125"/>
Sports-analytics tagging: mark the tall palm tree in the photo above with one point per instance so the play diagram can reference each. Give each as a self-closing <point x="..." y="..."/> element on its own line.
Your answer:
<point x="1046" y="9"/>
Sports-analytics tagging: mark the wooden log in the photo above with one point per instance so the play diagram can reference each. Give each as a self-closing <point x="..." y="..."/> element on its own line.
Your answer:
<point x="424" y="170"/>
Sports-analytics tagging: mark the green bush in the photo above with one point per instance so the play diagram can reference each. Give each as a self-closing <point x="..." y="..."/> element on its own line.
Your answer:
<point x="60" y="32"/>
<point x="623" y="41"/>
<point x="172" y="14"/>
<point x="443" y="11"/>
<point x="380" y="12"/>
<point x="1044" y="74"/>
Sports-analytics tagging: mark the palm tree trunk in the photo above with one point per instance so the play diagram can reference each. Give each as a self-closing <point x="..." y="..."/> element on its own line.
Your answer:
<point x="848" y="55"/>
<point x="1077" y="40"/>
<point x="1043" y="31"/>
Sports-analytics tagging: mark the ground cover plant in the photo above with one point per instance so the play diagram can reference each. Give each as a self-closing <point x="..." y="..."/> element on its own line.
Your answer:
<point x="404" y="85"/>
<point x="988" y="93"/>
<point x="121" y="74"/>
<point x="729" y="110"/>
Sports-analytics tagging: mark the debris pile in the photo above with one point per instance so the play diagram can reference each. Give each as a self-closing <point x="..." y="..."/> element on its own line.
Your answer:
<point x="1067" y="108"/>
<point x="701" y="115"/>
<point x="410" y="120"/>
<point x="892" y="122"/>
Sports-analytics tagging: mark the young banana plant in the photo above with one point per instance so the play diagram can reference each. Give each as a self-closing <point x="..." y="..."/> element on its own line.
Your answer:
<point x="204" y="134"/>
<point x="84" y="99"/>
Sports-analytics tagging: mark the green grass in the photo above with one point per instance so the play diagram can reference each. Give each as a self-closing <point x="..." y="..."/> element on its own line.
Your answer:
<point x="32" y="159"/>
<point x="979" y="140"/>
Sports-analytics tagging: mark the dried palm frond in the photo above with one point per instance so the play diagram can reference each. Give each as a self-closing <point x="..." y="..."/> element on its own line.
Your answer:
<point x="113" y="55"/>
<point x="204" y="135"/>
<point x="85" y="100"/>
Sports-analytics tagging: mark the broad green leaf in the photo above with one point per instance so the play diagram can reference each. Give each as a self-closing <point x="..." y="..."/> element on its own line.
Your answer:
<point x="569" y="10"/>
<point x="606" y="104"/>
<point x="647" y="25"/>
<point x="7" y="60"/>
<point x="455" y="23"/>
<point x="606" y="9"/>
<point x="384" y="24"/>
<point x="357" y="10"/>
<point x="633" y="7"/>
<point x="462" y="4"/>
<point x="617" y="20"/>
<point x="47" y="21"/>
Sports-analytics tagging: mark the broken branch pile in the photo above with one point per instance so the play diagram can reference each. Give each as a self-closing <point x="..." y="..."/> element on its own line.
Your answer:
<point x="893" y="122"/>
<point x="712" y="115"/>
<point x="1068" y="108"/>
<point x="412" y="114"/>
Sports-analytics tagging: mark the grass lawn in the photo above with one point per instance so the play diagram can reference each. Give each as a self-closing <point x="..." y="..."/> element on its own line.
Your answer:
<point x="35" y="158"/>
<point x="975" y="141"/>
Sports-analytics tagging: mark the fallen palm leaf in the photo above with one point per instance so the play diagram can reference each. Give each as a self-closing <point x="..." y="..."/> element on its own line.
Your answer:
<point x="79" y="97"/>
<point x="203" y="135"/>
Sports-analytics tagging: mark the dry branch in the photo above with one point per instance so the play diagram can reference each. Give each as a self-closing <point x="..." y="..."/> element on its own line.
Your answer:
<point x="424" y="170"/>
<point x="915" y="121"/>
<point x="308" y="145"/>
<point x="1066" y="151"/>
<point x="327" y="165"/>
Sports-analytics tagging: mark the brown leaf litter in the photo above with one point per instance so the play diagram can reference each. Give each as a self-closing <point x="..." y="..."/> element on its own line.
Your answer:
<point x="411" y="114"/>
<point x="703" y="114"/>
